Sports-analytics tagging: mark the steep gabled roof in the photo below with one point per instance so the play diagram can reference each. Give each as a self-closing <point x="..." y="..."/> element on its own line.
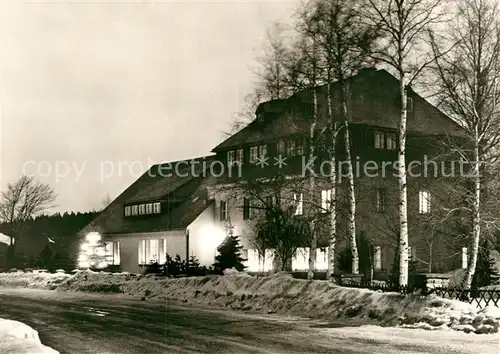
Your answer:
<point x="372" y="90"/>
<point x="157" y="184"/>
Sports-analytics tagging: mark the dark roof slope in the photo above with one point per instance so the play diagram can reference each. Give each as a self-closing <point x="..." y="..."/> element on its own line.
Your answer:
<point x="374" y="102"/>
<point x="162" y="180"/>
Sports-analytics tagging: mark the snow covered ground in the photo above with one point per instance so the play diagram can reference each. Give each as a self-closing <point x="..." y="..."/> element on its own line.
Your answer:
<point x="33" y="280"/>
<point x="19" y="338"/>
<point x="280" y="293"/>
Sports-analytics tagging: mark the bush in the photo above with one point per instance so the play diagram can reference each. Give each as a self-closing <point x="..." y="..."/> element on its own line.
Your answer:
<point x="344" y="261"/>
<point x="154" y="268"/>
<point x="485" y="266"/>
<point x="174" y="267"/>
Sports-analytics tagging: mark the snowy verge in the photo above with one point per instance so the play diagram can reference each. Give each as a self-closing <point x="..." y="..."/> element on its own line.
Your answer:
<point x="280" y="293"/>
<point x="17" y="337"/>
<point x="32" y="280"/>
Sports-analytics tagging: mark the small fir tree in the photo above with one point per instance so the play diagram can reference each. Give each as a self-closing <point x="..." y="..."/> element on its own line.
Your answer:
<point x="485" y="266"/>
<point x="229" y="255"/>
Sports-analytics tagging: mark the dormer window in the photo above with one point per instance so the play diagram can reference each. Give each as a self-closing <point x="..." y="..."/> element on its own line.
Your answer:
<point x="385" y="140"/>
<point x="142" y="209"/>
<point x="253" y="154"/>
<point x="280" y="147"/>
<point x="260" y="117"/>
<point x="391" y="143"/>
<point x="409" y="104"/>
<point x="239" y="157"/>
<point x="379" y="140"/>
<point x="300" y="148"/>
<point x="290" y="148"/>
<point x="262" y="151"/>
<point x="230" y="158"/>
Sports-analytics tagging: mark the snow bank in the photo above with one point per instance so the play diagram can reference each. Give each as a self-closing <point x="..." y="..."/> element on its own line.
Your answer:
<point x="17" y="337"/>
<point x="32" y="280"/>
<point x="280" y="293"/>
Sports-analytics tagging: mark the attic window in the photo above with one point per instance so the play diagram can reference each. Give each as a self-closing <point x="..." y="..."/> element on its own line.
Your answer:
<point x="260" y="117"/>
<point x="409" y="104"/>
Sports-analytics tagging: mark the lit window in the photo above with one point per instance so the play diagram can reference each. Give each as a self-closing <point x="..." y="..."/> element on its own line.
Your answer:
<point x="135" y="209"/>
<point x="464" y="257"/>
<point x="230" y="158"/>
<point x="409" y="104"/>
<point x="262" y="151"/>
<point x="112" y="250"/>
<point x="290" y="149"/>
<point x="156" y="208"/>
<point x="424" y="198"/>
<point x="379" y="140"/>
<point x="151" y="251"/>
<point x="254" y="260"/>
<point x="390" y="141"/>
<point x="142" y="209"/>
<point x="223" y="210"/>
<point x="300" y="148"/>
<point x="149" y="208"/>
<point x="280" y="147"/>
<point x="412" y="253"/>
<point x="247" y="213"/>
<point x="298" y="202"/>
<point x="163" y="251"/>
<point x="326" y="198"/>
<point x="377" y="257"/>
<point x="239" y="156"/>
<point x="127" y="211"/>
<point x="380" y="201"/>
<point x="253" y="154"/>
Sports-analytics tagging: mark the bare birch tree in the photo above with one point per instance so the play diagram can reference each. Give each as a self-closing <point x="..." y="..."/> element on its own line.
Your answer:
<point x="305" y="72"/>
<point x="346" y="43"/>
<point x="469" y="80"/>
<point x="404" y="25"/>
<point x="272" y="79"/>
<point x="23" y="200"/>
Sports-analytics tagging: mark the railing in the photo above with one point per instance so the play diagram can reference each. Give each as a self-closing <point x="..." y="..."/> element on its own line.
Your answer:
<point x="479" y="297"/>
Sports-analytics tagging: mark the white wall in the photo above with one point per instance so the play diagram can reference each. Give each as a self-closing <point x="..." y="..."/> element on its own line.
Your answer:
<point x="129" y="246"/>
<point x="205" y="237"/>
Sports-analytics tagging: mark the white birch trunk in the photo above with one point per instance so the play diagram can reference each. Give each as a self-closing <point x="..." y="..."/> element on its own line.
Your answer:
<point x="351" y="219"/>
<point x="332" y="240"/>
<point x="403" y="201"/>
<point x="352" y="203"/>
<point x="312" y="150"/>
<point x="476" y="216"/>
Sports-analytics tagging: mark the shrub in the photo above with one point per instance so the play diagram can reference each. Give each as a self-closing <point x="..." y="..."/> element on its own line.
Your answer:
<point x="174" y="267"/>
<point x="344" y="260"/>
<point x="153" y="268"/>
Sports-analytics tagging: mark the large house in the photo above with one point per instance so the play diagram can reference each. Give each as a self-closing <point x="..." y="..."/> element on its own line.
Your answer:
<point x="188" y="207"/>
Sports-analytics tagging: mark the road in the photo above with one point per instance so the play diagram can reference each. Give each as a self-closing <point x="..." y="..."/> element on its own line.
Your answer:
<point x="84" y="323"/>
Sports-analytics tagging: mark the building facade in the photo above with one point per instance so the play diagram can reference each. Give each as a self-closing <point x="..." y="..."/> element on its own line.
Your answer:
<point x="187" y="207"/>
